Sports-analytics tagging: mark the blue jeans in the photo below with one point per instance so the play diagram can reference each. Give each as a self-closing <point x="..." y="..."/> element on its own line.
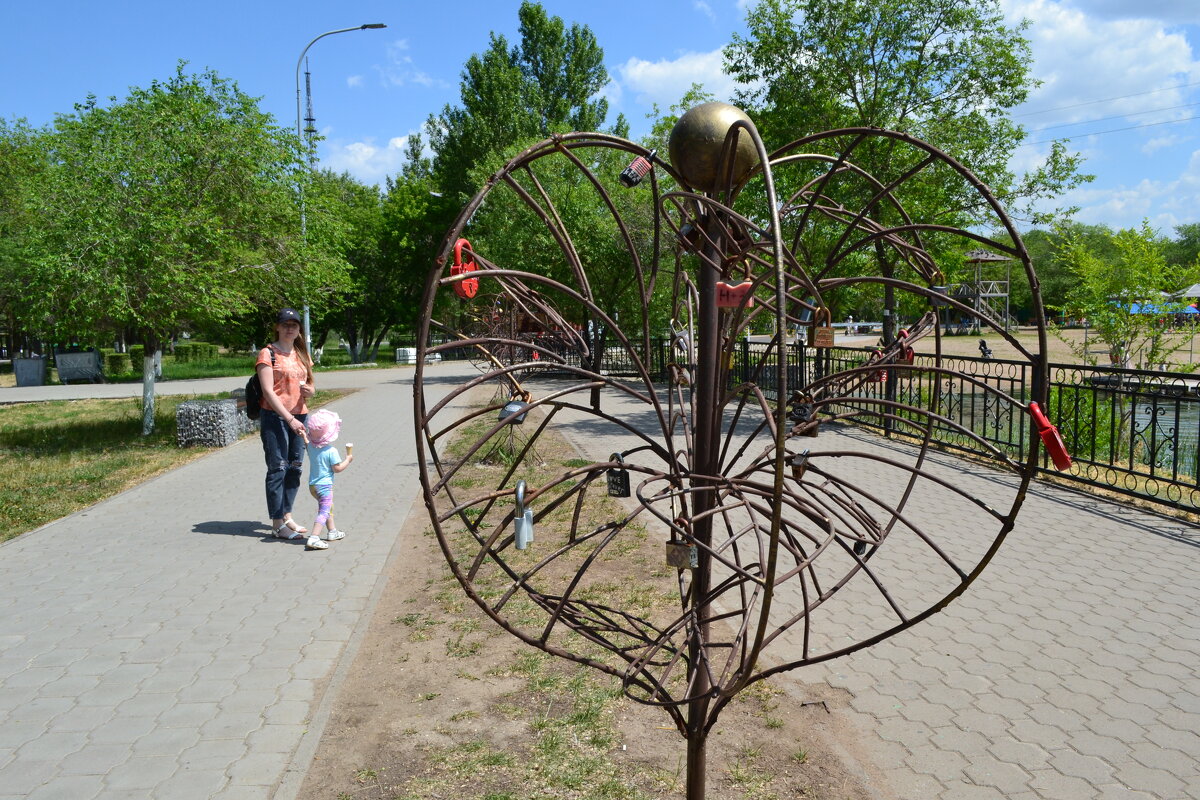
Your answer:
<point x="284" y="451"/>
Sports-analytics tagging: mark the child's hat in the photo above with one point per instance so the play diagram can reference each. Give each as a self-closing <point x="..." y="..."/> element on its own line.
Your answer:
<point x="323" y="427"/>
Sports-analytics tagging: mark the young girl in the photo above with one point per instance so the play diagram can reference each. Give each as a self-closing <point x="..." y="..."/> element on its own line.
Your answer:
<point x="323" y="463"/>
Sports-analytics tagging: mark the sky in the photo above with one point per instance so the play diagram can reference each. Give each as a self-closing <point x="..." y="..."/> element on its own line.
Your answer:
<point x="1120" y="77"/>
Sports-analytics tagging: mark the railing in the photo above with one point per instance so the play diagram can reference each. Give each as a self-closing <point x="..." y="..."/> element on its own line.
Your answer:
<point x="1128" y="431"/>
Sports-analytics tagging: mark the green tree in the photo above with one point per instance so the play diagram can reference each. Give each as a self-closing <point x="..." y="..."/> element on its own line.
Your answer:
<point x="514" y="95"/>
<point x="172" y="207"/>
<point x="1122" y="295"/>
<point x="946" y="71"/>
<point x="22" y="157"/>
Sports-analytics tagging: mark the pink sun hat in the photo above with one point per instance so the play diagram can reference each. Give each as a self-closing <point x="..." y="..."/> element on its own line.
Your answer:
<point x="323" y="427"/>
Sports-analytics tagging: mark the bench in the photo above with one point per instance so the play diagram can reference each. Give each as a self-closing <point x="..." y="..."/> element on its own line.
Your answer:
<point x="82" y="366"/>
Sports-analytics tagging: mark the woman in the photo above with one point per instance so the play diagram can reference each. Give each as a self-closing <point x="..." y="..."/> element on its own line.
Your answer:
<point x="285" y="373"/>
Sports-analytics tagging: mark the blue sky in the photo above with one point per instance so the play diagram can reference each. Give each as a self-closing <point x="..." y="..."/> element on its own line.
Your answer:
<point x="1106" y="65"/>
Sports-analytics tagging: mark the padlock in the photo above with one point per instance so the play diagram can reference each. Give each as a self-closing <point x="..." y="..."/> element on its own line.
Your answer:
<point x="1051" y="438"/>
<point x="618" y="477"/>
<point x="799" y="464"/>
<point x="682" y="556"/>
<point x="821" y="335"/>
<point x="467" y="287"/>
<point x="731" y="295"/>
<point x="522" y="520"/>
<point x="639" y="168"/>
<point x="515" y="409"/>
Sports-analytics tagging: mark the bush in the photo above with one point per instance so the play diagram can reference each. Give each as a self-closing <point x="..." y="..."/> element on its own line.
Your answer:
<point x="136" y="354"/>
<point x="117" y="364"/>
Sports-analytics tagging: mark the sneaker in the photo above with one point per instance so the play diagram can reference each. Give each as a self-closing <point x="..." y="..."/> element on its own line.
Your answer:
<point x="315" y="543"/>
<point x="334" y="535"/>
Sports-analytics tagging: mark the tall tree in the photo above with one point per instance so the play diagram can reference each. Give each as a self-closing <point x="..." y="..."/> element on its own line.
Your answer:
<point x="946" y="71"/>
<point x="173" y="206"/>
<point x="22" y="157"/>
<point x="510" y="95"/>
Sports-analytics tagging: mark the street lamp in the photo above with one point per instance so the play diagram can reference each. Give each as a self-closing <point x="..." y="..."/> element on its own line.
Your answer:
<point x="300" y="136"/>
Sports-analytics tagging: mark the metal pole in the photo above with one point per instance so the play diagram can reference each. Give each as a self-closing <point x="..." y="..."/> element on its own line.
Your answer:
<point x="300" y="137"/>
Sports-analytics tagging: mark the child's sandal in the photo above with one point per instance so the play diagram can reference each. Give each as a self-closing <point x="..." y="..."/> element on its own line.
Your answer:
<point x="333" y="536"/>
<point x="315" y="543"/>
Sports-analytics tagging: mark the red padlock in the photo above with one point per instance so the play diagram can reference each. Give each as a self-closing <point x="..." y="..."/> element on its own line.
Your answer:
<point x="1051" y="439"/>
<point x="467" y="287"/>
<point x="731" y="295"/>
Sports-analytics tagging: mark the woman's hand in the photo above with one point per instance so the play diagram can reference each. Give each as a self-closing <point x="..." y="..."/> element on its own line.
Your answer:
<point x="306" y="390"/>
<point x="298" y="428"/>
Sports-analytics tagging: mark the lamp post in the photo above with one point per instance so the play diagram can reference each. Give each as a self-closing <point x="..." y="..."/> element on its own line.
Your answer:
<point x="300" y="136"/>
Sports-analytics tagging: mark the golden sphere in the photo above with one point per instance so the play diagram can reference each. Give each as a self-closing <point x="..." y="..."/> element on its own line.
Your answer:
<point x="698" y="139"/>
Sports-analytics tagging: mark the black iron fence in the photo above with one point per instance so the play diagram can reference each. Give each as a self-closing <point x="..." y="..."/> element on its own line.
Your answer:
<point x="1128" y="431"/>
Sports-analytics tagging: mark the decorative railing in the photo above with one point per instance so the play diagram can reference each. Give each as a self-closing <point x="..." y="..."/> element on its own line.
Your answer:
<point x="1128" y="431"/>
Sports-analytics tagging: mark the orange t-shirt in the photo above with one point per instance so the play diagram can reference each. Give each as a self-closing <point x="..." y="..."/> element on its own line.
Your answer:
<point x="290" y="373"/>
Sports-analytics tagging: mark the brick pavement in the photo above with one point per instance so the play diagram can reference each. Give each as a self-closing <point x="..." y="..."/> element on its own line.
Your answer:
<point x="162" y="644"/>
<point x="202" y="667"/>
<point x="1069" y="670"/>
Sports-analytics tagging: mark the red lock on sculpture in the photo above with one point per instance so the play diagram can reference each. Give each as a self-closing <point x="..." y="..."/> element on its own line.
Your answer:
<point x="731" y="295"/>
<point x="1051" y="439"/>
<point x="467" y="287"/>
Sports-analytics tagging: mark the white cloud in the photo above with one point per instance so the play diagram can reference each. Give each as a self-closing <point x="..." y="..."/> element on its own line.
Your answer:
<point x="705" y="9"/>
<point x="400" y="70"/>
<point x="354" y="81"/>
<point x="365" y="160"/>
<point x="1161" y="142"/>
<point x="1111" y="62"/>
<point x="1081" y="59"/>
<point x="664" y="82"/>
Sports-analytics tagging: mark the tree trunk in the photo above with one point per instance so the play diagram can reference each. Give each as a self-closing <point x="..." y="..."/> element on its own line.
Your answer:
<point x="151" y="361"/>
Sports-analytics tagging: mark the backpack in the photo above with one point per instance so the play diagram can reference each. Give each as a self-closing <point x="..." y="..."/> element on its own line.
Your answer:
<point x="254" y="390"/>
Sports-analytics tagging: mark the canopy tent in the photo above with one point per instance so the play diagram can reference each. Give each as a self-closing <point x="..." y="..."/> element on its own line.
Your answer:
<point x="1192" y="291"/>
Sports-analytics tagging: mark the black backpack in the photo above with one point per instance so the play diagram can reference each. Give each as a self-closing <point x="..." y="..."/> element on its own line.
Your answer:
<point x="254" y="390"/>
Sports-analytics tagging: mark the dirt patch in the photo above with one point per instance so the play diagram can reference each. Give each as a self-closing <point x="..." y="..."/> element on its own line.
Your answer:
<point x="442" y="703"/>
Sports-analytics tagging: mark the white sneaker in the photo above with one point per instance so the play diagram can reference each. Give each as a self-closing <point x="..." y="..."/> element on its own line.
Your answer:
<point x="334" y="535"/>
<point x="315" y="543"/>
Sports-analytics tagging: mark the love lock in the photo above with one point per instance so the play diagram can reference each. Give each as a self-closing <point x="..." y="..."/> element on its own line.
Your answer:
<point x="799" y="464"/>
<point x="467" y="287"/>
<point x="523" y="520"/>
<point x="821" y="332"/>
<point x="515" y="409"/>
<point x="618" y="477"/>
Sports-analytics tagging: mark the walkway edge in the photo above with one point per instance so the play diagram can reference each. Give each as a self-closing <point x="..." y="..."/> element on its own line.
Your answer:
<point x="301" y="761"/>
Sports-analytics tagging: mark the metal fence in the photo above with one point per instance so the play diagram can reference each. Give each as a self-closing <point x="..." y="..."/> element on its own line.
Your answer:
<point x="1128" y="431"/>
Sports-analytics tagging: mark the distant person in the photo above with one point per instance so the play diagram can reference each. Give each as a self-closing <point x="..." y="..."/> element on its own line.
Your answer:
<point x="323" y="463"/>
<point x="849" y="324"/>
<point x="285" y="372"/>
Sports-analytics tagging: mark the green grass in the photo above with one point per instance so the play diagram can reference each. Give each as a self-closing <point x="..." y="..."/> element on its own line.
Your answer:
<point x="65" y="455"/>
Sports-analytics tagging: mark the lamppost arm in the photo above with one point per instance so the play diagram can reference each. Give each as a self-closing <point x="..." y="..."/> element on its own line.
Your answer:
<point x="300" y="61"/>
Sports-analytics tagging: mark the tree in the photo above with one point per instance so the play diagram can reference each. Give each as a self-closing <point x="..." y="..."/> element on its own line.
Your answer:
<point x="1122" y="296"/>
<point x="22" y="157"/>
<point x="511" y="96"/>
<point x="946" y="71"/>
<point x="174" y="206"/>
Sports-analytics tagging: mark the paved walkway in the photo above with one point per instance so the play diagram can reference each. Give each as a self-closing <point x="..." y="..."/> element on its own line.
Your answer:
<point x="161" y="645"/>
<point x="1070" y="670"/>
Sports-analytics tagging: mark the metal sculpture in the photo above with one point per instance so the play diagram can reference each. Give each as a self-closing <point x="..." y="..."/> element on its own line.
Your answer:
<point x="773" y="535"/>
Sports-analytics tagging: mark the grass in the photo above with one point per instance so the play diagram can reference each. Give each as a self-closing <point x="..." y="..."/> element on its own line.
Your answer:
<point x="66" y="455"/>
<point x="223" y="366"/>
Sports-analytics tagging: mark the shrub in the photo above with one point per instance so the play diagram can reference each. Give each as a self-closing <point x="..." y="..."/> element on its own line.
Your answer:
<point x="117" y="364"/>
